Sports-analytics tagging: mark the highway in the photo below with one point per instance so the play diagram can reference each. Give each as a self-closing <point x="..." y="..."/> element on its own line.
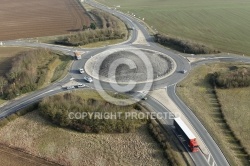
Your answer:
<point x="217" y="157"/>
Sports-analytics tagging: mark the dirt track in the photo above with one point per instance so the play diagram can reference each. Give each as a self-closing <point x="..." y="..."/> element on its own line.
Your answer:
<point x="35" y="18"/>
<point x="12" y="157"/>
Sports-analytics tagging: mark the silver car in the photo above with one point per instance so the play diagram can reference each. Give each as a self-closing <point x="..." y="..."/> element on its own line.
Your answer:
<point x="184" y="71"/>
<point x="70" y="87"/>
<point x="81" y="85"/>
<point x="88" y="79"/>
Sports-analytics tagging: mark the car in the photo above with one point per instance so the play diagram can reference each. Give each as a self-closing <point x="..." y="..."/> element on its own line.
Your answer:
<point x="88" y="79"/>
<point x="184" y="71"/>
<point x="81" y="70"/>
<point x="80" y="85"/>
<point x="70" y="87"/>
<point x="143" y="97"/>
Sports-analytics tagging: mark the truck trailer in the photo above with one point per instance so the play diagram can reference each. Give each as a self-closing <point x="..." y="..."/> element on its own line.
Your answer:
<point x="182" y="129"/>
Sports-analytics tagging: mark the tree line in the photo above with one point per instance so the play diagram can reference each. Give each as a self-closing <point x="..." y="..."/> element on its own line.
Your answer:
<point x="91" y="36"/>
<point x="110" y="29"/>
<point x="57" y="109"/>
<point x="184" y="46"/>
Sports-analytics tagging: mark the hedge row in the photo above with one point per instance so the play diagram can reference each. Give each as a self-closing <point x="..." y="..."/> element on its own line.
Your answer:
<point x="184" y="46"/>
<point x="156" y="131"/>
<point x="239" y="77"/>
<point x="91" y="36"/>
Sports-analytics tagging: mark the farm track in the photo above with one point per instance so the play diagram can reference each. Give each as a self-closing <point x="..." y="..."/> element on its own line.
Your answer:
<point x="34" y="18"/>
<point x="13" y="157"/>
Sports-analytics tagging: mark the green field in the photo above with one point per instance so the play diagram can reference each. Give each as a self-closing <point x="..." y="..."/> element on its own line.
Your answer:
<point x="223" y="24"/>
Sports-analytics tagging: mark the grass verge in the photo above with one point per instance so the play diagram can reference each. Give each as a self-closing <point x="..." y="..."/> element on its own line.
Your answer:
<point x="2" y="101"/>
<point x="6" y="55"/>
<point x="61" y="69"/>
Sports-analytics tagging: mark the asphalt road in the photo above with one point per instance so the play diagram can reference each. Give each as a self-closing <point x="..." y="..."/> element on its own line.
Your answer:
<point x="198" y="157"/>
<point x="181" y="64"/>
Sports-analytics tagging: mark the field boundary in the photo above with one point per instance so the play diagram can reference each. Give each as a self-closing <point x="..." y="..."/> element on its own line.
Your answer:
<point x="24" y="155"/>
<point x="221" y="116"/>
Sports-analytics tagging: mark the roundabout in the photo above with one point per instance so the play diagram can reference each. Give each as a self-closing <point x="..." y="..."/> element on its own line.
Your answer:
<point x="123" y="65"/>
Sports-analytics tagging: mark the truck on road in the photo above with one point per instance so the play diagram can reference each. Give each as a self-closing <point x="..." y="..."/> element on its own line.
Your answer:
<point x="189" y="138"/>
<point x="78" y="54"/>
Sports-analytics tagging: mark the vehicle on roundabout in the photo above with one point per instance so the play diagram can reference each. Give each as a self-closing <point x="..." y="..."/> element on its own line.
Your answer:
<point x="184" y="71"/>
<point x="70" y="87"/>
<point x="88" y="79"/>
<point x="81" y="70"/>
<point x="143" y="97"/>
<point x="81" y="86"/>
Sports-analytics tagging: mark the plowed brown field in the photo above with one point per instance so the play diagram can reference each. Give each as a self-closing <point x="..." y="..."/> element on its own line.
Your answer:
<point x="35" y="18"/>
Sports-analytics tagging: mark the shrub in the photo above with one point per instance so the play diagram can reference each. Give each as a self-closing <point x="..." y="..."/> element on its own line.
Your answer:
<point x="240" y="77"/>
<point x="57" y="108"/>
<point x="137" y="107"/>
<point x="28" y="72"/>
<point x="12" y="117"/>
<point x="184" y="46"/>
<point x="27" y="110"/>
<point x="3" y="122"/>
<point x="93" y="26"/>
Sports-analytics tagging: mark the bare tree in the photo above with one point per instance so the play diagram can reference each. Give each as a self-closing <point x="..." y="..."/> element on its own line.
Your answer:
<point x="3" y="83"/>
<point x="13" y="76"/>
